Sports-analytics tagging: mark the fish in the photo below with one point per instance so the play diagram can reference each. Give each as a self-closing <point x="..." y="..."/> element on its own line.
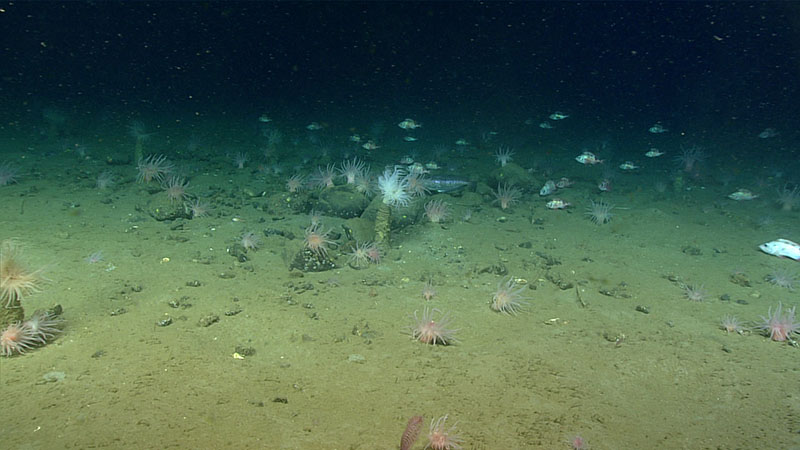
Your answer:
<point x="605" y="185"/>
<point x="768" y="133"/>
<point x="588" y="158"/>
<point x="558" y="116"/>
<point x="355" y="138"/>
<point x="628" y="165"/>
<point x="545" y="125"/>
<point x="654" y="152"/>
<point x="462" y="141"/>
<point x="409" y="124"/>
<point x="445" y="184"/>
<point x="313" y="126"/>
<point x="264" y="118"/>
<point x="557" y="203"/>
<point x="548" y="188"/>
<point x="409" y="139"/>
<point x="369" y="145"/>
<point x="564" y="182"/>
<point x="782" y="248"/>
<point x="742" y="194"/>
<point x="657" y="129"/>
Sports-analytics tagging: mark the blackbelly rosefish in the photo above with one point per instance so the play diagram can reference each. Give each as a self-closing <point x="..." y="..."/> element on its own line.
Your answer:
<point x="783" y="248"/>
<point x="441" y="185"/>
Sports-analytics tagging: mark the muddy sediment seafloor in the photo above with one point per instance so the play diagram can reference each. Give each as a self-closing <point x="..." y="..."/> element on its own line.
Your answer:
<point x="179" y="337"/>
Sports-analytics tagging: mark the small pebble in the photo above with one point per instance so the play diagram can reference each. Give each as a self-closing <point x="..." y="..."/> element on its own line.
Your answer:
<point x="54" y="376"/>
<point x="356" y="358"/>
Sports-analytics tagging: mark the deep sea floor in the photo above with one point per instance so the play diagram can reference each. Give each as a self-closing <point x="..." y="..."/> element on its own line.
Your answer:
<point x="607" y="347"/>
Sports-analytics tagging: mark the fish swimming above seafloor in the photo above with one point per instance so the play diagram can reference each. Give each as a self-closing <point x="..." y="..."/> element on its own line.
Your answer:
<point x="588" y="158"/>
<point x="768" y="133"/>
<point x="743" y="194"/>
<point x="409" y="124"/>
<point x="370" y="145"/>
<point x="441" y="185"/>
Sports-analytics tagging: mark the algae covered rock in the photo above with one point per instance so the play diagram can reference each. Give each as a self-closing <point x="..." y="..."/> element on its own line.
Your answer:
<point x="283" y="202"/>
<point x="360" y="229"/>
<point x="167" y="212"/>
<point x="342" y="201"/>
<point x="511" y="174"/>
<point x="307" y="261"/>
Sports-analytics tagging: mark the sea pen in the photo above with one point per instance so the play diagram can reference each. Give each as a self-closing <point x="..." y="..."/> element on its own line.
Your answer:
<point x="411" y="433"/>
